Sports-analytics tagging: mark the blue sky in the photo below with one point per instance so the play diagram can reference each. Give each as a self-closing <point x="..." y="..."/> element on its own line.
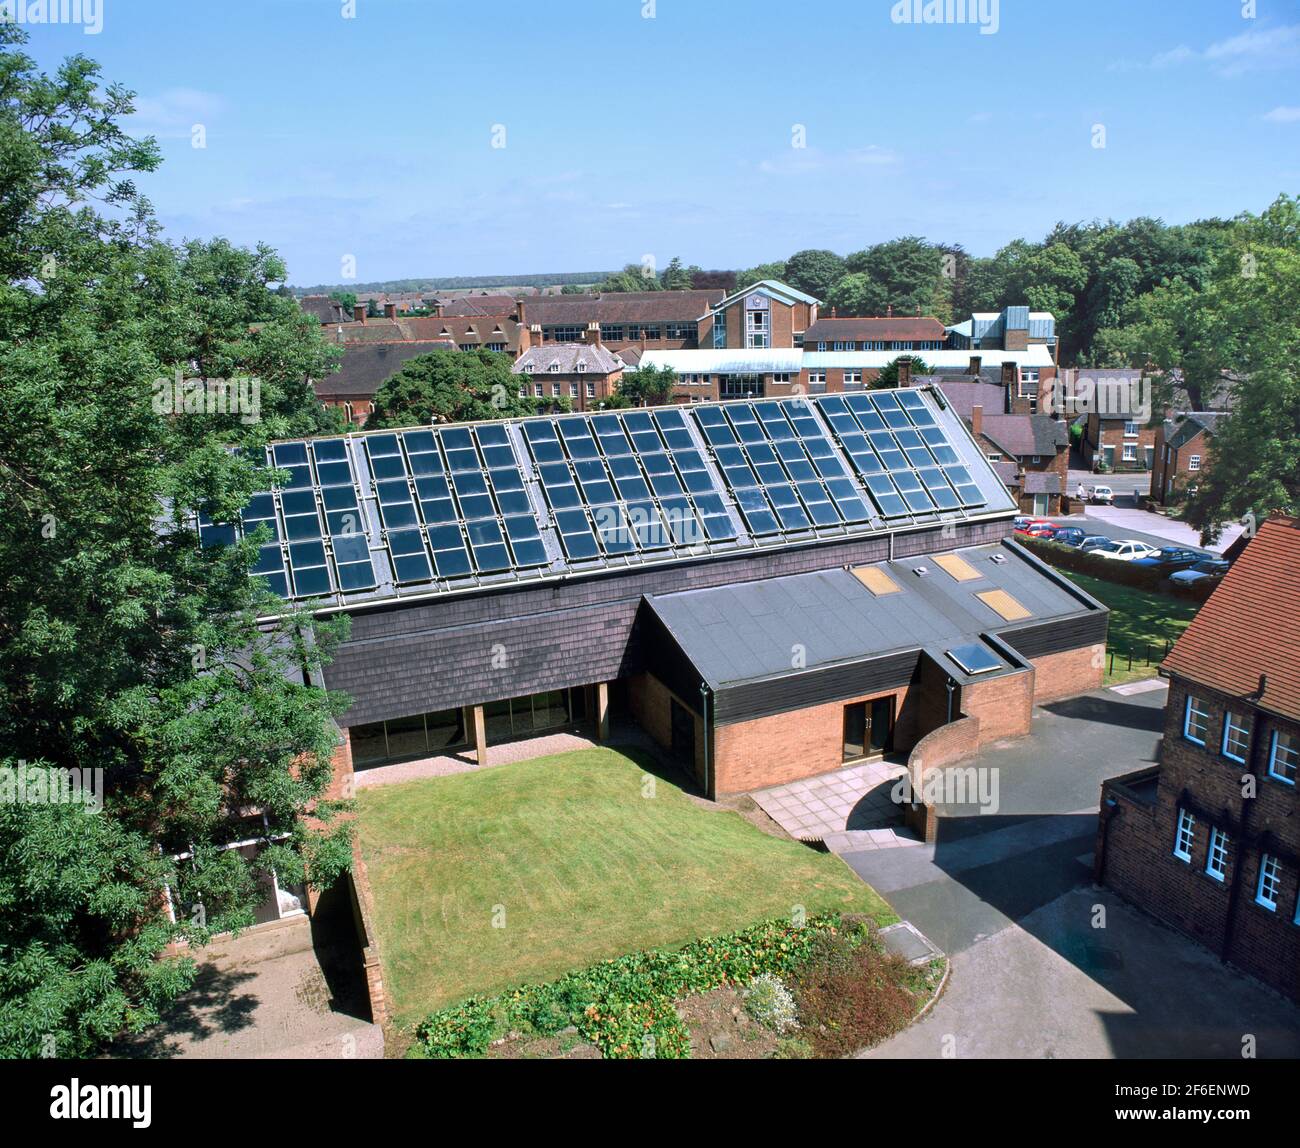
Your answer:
<point x="625" y="136"/>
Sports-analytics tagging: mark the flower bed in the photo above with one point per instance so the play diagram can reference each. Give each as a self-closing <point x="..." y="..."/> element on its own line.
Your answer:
<point x="625" y="1007"/>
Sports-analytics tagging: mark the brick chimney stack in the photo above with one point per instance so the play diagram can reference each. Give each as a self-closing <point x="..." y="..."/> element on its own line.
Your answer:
<point x="904" y="372"/>
<point x="591" y="336"/>
<point x="889" y="310"/>
<point x="977" y="419"/>
<point x="975" y="362"/>
<point x="1008" y="374"/>
<point x="359" y="312"/>
<point x="390" y="311"/>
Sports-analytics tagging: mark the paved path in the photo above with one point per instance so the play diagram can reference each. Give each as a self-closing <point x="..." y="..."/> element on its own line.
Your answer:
<point x="1008" y="894"/>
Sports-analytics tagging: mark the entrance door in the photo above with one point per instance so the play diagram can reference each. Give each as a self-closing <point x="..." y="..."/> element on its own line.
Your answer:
<point x="1040" y="505"/>
<point x="683" y="732"/>
<point x="880" y="733"/>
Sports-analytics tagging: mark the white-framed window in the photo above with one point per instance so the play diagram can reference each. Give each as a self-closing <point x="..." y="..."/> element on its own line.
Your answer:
<point x="1216" y="857"/>
<point x="1196" y="720"/>
<point x="1130" y="452"/>
<point x="555" y="390"/>
<point x="582" y="367"/>
<point x="781" y="377"/>
<point x="756" y="328"/>
<point x="821" y="344"/>
<point x="1130" y="430"/>
<point x="1194" y="463"/>
<point x="1028" y="382"/>
<point x="1236" y="736"/>
<point x="1269" y="885"/>
<point x="993" y="456"/>
<point x="1038" y="458"/>
<point x="816" y="376"/>
<point x="1185" y="837"/>
<point x="523" y="390"/>
<point x="591" y="390"/>
<point x="1284" y="756"/>
<point x="554" y="368"/>
<point x="852" y="377"/>
<point x="537" y="390"/>
<point x="573" y="390"/>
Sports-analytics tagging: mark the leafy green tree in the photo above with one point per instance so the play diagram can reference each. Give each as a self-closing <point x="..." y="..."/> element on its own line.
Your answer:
<point x="908" y="270"/>
<point x="888" y="376"/>
<point x="856" y="294"/>
<point x="648" y="386"/>
<point x="633" y="277"/>
<point x="757" y="274"/>
<point x="814" y="271"/>
<point x="676" y="276"/>
<point x="125" y="647"/>
<point x="347" y="299"/>
<point x="451" y="386"/>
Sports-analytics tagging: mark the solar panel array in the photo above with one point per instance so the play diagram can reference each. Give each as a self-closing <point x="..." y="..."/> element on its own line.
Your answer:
<point x="387" y="513"/>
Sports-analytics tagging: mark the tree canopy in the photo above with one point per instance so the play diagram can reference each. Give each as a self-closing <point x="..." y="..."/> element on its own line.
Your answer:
<point x="451" y="386"/>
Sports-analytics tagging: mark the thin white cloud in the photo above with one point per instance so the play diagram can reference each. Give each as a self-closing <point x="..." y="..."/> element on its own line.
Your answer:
<point x="1283" y="115"/>
<point x="802" y="161"/>
<point x="1253" y="50"/>
<point x="173" y="113"/>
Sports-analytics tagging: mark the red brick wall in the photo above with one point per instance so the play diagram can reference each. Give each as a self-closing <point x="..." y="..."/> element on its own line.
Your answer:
<point x="1139" y="839"/>
<point x="650" y="703"/>
<point x="1003" y="705"/>
<point x="1068" y="673"/>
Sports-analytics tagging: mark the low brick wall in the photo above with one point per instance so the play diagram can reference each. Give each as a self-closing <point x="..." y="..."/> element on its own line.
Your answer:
<point x="944" y="746"/>
<point x="362" y="918"/>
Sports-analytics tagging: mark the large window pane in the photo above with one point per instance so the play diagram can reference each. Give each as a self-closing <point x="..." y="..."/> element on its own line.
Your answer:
<point x="446" y="728"/>
<point x="368" y="745"/>
<point x="406" y="737"/>
<point x="550" y="710"/>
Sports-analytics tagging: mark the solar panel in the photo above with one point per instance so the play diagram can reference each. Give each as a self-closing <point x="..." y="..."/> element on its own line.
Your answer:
<point x="431" y="507"/>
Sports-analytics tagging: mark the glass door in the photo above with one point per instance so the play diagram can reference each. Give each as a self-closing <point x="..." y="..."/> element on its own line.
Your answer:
<point x="881" y="730"/>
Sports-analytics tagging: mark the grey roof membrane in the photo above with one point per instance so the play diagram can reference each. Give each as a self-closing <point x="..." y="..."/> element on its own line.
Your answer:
<point x="779" y="626"/>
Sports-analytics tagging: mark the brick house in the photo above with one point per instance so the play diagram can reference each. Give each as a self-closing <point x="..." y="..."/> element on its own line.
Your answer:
<point x="763" y="315"/>
<point x="365" y="368"/>
<point x="585" y="374"/>
<point x="1209" y="839"/>
<point x="663" y="320"/>
<point x="1037" y="445"/>
<point x="885" y="333"/>
<point x="1182" y="453"/>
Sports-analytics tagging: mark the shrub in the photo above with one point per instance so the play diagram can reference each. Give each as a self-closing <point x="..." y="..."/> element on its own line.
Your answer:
<point x="769" y="1002"/>
<point x="793" y="1048"/>
<point x="854" y="998"/>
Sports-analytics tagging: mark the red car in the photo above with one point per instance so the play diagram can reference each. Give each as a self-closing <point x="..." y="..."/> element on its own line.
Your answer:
<point x="1034" y="527"/>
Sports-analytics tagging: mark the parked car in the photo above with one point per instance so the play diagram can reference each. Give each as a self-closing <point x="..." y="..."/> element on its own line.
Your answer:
<point x="1170" y="558"/>
<point x="1041" y="529"/>
<point x="1101" y="494"/>
<point x="1026" y="525"/>
<point x="1214" y="568"/>
<point x="1093" y="541"/>
<point x="1070" y="536"/>
<point x="1125" y="550"/>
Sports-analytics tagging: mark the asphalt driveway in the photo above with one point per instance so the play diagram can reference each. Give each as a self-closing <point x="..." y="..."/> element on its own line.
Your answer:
<point x="1045" y="964"/>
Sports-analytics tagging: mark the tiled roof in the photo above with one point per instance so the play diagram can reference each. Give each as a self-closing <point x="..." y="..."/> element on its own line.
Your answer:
<point x="568" y="356"/>
<point x="1008" y="472"/>
<point x="963" y="394"/>
<point x="480" y="305"/>
<point x="365" y="369"/>
<point x="1025" y="434"/>
<point x="1042" y="482"/>
<point x="620" y="307"/>
<point x="325" y="309"/>
<point x="476" y="329"/>
<point x="1251" y="624"/>
<point x="894" y="329"/>
<point x="1178" y="433"/>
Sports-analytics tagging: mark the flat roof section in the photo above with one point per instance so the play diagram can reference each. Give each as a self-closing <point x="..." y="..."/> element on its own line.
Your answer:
<point x="789" y="625"/>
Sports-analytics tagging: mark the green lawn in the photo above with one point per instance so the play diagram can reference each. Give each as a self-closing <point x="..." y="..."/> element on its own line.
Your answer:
<point x="1138" y="619"/>
<point x="584" y="864"/>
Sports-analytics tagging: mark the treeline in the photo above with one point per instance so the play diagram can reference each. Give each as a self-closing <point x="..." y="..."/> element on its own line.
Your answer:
<point x="455" y="282"/>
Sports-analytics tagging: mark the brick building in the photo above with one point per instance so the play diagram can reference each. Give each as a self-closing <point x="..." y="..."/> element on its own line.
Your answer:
<point x="771" y="589"/>
<point x="1038" y="447"/>
<point x="586" y="374"/>
<point x="888" y="333"/>
<point x="669" y="320"/>
<point x="1182" y="454"/>
<point x="1209" y="839"/>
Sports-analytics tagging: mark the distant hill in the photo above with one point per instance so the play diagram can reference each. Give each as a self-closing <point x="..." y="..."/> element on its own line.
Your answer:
<point x="448" y="283"/>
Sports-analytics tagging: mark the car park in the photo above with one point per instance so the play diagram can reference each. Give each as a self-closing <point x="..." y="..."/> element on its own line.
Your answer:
<point x="1125" y="550"/>
<point x="1024" y="525"/>
<point x="1211" y="568"/>
<point x="1093" y="541"/>
<point x="1168" y="559"/>
<point x="1041" y="529"/>
<point x="1070" y="535"/>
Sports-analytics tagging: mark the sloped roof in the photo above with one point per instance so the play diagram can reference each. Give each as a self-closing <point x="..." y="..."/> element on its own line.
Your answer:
<point x="480" y="305"/>
<point x="619" y="307"/>
<point x="568" y="356"/>
<point x="365" y="369"/>
<point x="965" y="394"/>
<point x="772" y="287"/>
<point x="1178" y="433"/>
<point x="1025" y="434"/>
<point x="325" y="309"/>
<point x="895" y="328"/>
<point x="479" y="329"/>
<point x="1042" y="482"/>
<point x="1251" y="624"/>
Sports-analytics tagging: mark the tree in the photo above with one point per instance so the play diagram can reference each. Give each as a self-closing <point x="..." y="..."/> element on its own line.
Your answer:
<point x="633" y="277"/>
<point x="814" y="272"/>
<point x="451" y="386"/>
<point x="757" y="274"/>
<point x="346" y="299"/>
<point x="907" y="271"/>
<point x="888" y="376"/>
<point x="676" y="276"/>
<point x="856" y="294"/>
<point x="648" y="386"/>
<point x="125" y="647"/>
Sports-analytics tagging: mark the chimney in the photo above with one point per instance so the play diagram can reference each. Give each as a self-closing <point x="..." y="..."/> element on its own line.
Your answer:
<point x="889" y="310"/>
<point x="520" y="316"/>
<point x="591" y="336"/>
<point x="975" y="361"/>
<point x="1009" y="376"/>
<point x="531" y="336"/>
<point x="359" y="312"/>
<point x="918" y="310"/>
<point x="905" y="372"/>
<point x="390" y="311"/>
<point x="833" y="312"/>
<point x="977" y="419"/>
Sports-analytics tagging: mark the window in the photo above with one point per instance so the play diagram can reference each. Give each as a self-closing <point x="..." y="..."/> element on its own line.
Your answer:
<point x="1028" y="383"/>
<point x="1130" y="430"/>
<point x="1284" y="756"/>
<point x="1185" y="837"/>
<point x="611" y="334"/>
<point x="582" y="367"/>
<point x="591" y="390"/>
<point x="817" y="376"/>
<point x="1216" y="860"/>
<point x="555" y="390"/>
<point x="537" y="390"/>
<point x="1130" y="452"/>
<point x="563" y="334"/>
<point x="821" y="344"/>
<point x="756" y="329"/>
<point x="1236" y="736"/>
<point x="1196" y="722"/>
<point x="573" y="390"/>
<point x="852" y="378"/>
<point x="1194" y="463"/>
<point x="554" y="368"/>
<point x="1037" y="458"/>
<point x="781" y="377"/>
<point x="1270" y="882"/>
<point x="720" y="330"/>
<point x="993" y="456"/>
<point x="681" y="330"/>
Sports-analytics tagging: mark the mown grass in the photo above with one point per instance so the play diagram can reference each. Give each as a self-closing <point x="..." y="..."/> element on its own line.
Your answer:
<point x="1139" y="620"/>
<point x="524" y="872"/>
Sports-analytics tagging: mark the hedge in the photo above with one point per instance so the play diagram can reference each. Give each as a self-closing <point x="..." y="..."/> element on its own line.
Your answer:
<point x="1121" y="573"/>
<point x="625" y="1006"/>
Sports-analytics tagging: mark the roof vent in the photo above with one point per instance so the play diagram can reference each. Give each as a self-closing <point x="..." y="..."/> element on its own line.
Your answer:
<point x="998" y="558"/>
<point x="920" y="571"/>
